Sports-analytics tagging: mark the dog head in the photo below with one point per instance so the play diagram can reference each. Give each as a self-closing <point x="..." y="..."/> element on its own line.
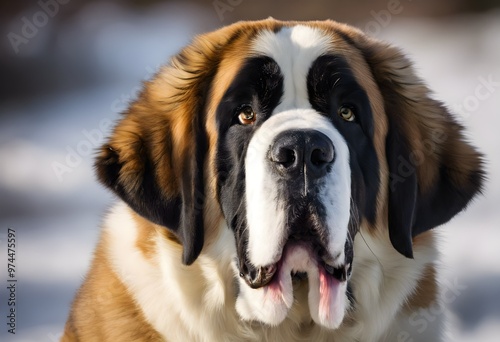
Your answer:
<point x="297" y="135"/>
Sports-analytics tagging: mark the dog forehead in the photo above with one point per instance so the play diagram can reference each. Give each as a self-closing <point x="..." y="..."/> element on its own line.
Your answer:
<point x="292" y="43"/>
<point x="294" y="49"/>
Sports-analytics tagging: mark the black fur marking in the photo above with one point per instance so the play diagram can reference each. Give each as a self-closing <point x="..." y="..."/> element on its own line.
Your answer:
<point x="260" y="85"/>
<point x="331" y="84"/>
<point x="402" y="193"/>
<point x="147" y="201"/>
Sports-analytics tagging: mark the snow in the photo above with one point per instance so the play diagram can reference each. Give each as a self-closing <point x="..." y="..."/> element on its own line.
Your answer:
<point x="57" y="218"/>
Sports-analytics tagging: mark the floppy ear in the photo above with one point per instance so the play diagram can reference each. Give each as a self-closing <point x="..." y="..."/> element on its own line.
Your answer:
<point x="434" y="171"/>
<point x="154" y="158"/>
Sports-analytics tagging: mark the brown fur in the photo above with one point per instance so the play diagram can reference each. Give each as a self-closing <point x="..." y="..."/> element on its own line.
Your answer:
<point x="426" y="293"/>
<point x="104" y="310"/>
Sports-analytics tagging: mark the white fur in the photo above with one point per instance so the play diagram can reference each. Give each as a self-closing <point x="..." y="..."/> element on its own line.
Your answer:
<point x="197" y="302"/>
<point x="383" y="279"/>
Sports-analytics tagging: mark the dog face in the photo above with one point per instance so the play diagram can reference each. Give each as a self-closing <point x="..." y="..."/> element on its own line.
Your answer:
<point x="296" y="135"/>
<point x="291" y="182"/>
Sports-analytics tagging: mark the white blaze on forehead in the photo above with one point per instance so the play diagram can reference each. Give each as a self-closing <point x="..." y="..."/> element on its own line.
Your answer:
<point x="294" y="49"/>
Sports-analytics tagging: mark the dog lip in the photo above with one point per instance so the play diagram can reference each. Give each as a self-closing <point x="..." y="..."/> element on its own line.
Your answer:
<point x="260" y="277"/>
<point x="341" y="273"/>
<point x="339" y="270"/>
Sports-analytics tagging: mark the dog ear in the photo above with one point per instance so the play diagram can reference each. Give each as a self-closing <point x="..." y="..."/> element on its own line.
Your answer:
<point x="154" y="158"/>
<point x="434" y="171"/>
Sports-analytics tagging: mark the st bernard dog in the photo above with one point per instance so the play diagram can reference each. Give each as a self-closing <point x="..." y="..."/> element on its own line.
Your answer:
<point x="278" y="181"/>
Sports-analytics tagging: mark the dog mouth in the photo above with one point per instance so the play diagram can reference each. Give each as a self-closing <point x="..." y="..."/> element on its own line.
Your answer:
<point x="327" y="283"/>
<point x="305" y="235"/>
<point x="306" y="254"/>
<point x="257" y="277"/>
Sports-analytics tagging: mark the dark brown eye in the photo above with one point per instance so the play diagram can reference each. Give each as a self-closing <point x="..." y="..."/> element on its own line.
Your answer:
<point x="346" y="113"/>
<point x="247" y="115"/>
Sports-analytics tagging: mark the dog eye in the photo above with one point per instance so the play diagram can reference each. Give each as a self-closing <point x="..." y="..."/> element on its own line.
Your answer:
<point x="246" y="115"/>
<point x="346" y="113"/>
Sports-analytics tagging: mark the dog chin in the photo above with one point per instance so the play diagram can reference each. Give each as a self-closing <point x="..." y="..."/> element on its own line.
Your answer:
<point x="271" y="303"/>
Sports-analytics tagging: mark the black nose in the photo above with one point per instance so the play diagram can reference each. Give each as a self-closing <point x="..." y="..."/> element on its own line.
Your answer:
<point x="302" y="152"/>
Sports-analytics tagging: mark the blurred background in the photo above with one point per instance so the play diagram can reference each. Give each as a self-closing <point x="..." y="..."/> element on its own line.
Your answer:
<point x="68" y="68"/>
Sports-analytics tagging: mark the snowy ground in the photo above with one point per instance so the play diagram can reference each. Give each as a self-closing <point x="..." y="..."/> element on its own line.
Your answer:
<point x="56" y="218"/>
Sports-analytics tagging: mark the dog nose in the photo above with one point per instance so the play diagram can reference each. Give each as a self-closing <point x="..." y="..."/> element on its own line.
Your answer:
<point x="302" y="152"/>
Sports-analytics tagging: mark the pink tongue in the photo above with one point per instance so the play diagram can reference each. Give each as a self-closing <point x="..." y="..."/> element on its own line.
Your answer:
<point x="329" y="295"/>
<point x="326" y="301"/>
